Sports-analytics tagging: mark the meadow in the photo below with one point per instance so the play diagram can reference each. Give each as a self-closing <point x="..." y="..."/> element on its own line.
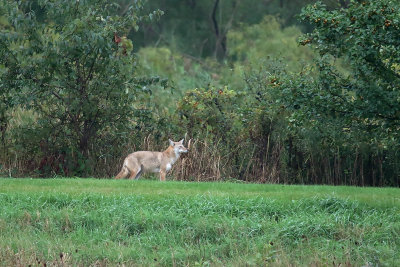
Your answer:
<point x="93" y="222"/>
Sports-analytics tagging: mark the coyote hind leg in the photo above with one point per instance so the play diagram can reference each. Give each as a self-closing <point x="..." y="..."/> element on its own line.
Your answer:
<point x="135" y="173"/>
<point x="124" y="172"/>
<point x="138" y="174"/>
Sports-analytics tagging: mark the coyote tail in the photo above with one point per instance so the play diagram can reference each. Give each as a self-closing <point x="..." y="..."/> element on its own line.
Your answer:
<point x="124" y="172"/>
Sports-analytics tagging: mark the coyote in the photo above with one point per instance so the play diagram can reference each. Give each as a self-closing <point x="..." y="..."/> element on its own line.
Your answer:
<point x="151" y="161"/>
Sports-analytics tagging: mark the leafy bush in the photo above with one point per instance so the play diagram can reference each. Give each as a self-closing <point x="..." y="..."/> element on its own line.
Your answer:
<point x="73" y="64"/>
<point x="366" y="35"/>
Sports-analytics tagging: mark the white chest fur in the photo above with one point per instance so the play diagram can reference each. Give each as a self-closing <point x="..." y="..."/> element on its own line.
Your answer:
<point x="169" y="166"/>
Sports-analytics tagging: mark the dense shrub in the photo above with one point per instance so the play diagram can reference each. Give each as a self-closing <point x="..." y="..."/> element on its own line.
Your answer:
<point x="72" y="64"/>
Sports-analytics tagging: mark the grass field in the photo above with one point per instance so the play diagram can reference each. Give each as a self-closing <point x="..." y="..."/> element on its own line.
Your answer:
<point x="82" y="222"/>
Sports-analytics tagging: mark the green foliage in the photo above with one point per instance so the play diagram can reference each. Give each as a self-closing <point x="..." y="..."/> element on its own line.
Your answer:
<point x="249" y="44"/>
<point x="355" y="112"/>
<point x="330" y="115"/>
<point x="241" y="131"/>
<point x="86" y="222"/>
<point x="321" y="144"/>
<point x="7" y="101"/>
<point x="190" y="26"/>
<point x="209" y="110"/>
<point x="72" y="63"/>
<point x="75" y="98"/>
<point x="366" y="35"/>
<point x="178" y="72"/>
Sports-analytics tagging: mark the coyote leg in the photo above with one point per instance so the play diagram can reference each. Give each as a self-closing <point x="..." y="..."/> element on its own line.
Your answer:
<point x="162" y="175"/>
<point x="133" y="174"/>
<point x="122" y="173"/>
<point x="138" y="175"/>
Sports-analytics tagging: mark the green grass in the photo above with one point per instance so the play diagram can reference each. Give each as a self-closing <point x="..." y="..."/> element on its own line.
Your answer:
<point x="109" y="222"/>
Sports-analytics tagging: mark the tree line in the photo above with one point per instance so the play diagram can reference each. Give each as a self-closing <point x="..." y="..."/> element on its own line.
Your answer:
<point x="306" y="94"/>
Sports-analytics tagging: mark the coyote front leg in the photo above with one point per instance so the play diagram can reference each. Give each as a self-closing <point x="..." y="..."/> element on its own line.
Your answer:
<point x="162" y="175"/>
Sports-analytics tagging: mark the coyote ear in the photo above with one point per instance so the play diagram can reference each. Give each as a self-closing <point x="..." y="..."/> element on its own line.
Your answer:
<point x="181" y="141"/>
<point x="171" y="143"/>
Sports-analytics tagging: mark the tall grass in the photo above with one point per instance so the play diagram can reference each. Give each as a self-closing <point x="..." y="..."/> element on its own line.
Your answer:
<point x="101" y="222"/>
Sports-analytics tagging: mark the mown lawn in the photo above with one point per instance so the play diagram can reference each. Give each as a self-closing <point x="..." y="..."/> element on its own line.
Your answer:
<point x="86" y="222"/>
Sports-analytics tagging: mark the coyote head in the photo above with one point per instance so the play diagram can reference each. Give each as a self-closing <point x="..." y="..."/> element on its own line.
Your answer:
<point x="178" y="146"/>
